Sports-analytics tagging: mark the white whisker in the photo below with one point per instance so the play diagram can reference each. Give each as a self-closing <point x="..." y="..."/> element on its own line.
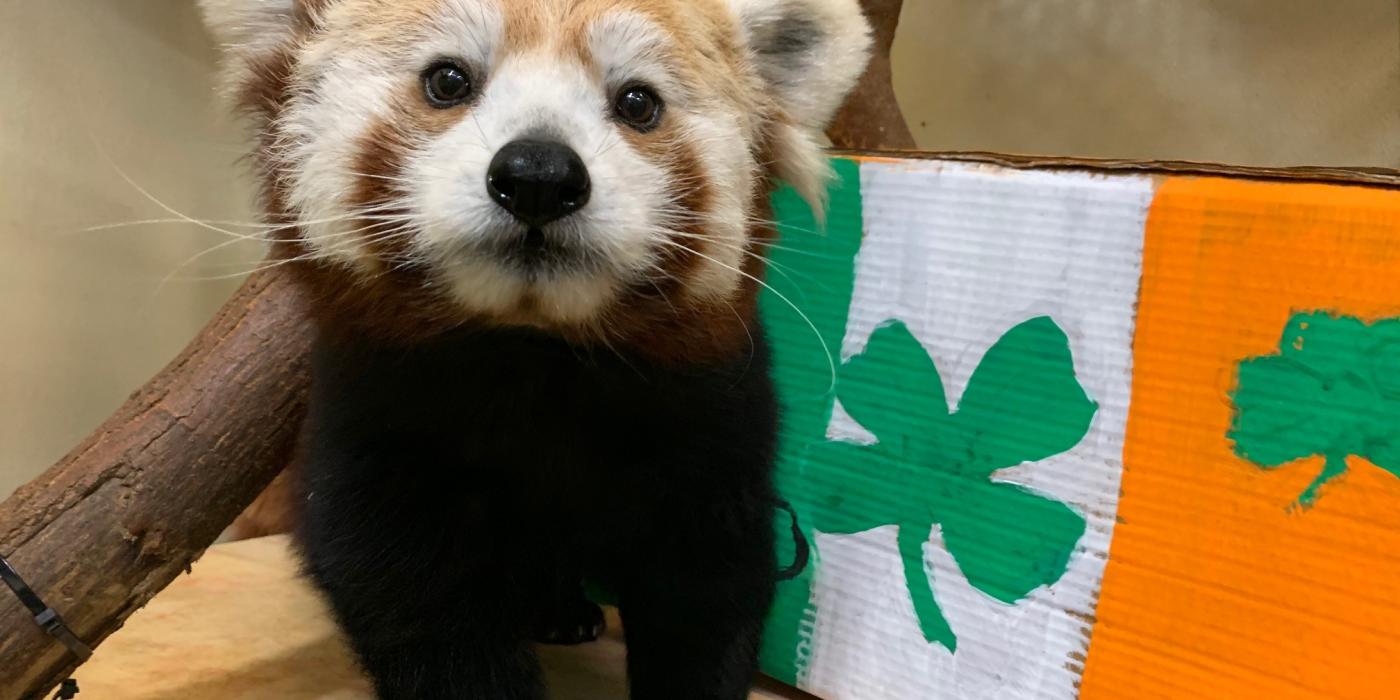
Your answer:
<point x="830" y="360"/>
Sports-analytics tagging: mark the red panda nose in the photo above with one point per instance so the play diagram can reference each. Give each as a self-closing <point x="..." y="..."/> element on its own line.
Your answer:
<point x="538" y="181"/>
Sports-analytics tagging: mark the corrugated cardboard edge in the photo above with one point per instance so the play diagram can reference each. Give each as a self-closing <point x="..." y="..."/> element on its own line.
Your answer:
<point x="1374" y="177"/>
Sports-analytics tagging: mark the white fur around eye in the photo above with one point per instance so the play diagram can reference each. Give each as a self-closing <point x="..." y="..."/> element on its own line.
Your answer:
<point x="727" y="168"/>
<point x="468" y="30"/>
<point x="348" y="87"/>
<point x="629" y="48"/>
<point x="537" y="95"/>
<point x="323" y="133"/>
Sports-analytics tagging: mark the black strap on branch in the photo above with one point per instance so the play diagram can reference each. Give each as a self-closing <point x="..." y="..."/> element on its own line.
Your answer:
<point x="803" y="550"/>
<point x="48" y="620"/>
<point x="67" y="690"/>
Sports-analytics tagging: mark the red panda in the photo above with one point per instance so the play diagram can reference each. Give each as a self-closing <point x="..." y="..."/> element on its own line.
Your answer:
<point x="532" y="232"/>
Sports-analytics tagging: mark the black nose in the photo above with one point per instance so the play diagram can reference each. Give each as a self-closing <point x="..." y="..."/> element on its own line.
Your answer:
<point x="538" y="181"/>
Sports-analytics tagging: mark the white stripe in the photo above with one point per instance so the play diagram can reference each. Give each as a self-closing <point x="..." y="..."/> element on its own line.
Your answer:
<point x="962" y="254"/>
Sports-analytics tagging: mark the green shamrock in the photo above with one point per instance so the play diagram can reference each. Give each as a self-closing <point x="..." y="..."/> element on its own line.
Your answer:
<point x="1332" y="390"/>
<point x="932" y="466"/>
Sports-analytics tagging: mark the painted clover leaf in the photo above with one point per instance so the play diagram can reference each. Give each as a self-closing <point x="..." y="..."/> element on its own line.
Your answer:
<point x="933" y="466"/>
<point x="1333" y="390"/>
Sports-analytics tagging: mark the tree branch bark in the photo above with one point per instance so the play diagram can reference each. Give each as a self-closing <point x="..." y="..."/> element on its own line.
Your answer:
<point x="128" y="510"/>
<point x="871" y="119"/>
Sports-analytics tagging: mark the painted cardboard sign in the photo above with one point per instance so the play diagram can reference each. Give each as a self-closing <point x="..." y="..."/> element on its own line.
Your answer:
<point x="1072" y="435"/>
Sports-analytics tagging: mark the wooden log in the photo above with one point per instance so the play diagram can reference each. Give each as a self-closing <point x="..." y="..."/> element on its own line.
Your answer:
<point x="128" y="510"/>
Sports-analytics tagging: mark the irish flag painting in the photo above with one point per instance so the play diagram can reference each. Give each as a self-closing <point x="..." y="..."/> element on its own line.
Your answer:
<point x="1061" y="434"/>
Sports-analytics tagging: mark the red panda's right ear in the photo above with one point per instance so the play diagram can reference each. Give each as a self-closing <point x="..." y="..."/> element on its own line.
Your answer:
<point x="245" y="27"/>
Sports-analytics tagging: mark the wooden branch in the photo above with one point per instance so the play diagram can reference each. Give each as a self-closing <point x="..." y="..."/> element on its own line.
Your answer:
<point x="128" y="510"/>
<point x="871" y="119"/>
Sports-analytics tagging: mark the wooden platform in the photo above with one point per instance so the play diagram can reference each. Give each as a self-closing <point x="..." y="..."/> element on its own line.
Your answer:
<point x="244" y="626"/>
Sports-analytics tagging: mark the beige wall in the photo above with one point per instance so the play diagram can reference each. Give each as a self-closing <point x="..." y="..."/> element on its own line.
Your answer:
<point x="82" y="315"/>
<point x="1249" y="82"/>
<point x="85" y="319"/>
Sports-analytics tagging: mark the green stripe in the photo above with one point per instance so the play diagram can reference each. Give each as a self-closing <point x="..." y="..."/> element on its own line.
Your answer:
<point x="815" y="271"/>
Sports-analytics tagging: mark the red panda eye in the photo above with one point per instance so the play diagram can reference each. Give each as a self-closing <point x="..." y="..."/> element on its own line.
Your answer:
<point x="446" y="85"/>
<point x="639" y="107"/>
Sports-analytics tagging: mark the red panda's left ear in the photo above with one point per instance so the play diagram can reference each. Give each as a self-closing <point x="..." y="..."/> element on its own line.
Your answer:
<point x="810" y="53"/>
<point x="253" y="36"/>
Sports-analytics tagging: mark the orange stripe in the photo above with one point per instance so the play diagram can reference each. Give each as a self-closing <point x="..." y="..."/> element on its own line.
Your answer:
<point x="1215" y="589"/>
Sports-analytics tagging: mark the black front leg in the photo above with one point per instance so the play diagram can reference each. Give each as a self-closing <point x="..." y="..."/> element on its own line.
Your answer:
<point x="433" y="597"/>
<point x="693" y="613"/>
<point x="568" y="617"/>
<point x="444" y="662"/>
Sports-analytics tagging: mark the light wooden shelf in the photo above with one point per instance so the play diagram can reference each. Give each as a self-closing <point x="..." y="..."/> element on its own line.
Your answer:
<point x="244" y="626"/>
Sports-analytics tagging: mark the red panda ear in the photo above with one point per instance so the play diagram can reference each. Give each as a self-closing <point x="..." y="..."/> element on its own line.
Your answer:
<point x="809" y="55"/>
<point x="809" y="52"/>
<point x="246" y="27"/>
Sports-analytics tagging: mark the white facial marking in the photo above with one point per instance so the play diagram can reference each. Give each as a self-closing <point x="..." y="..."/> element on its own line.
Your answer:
<point x="537" y="95"/>
<point x="630" y="49"/>
<point x="322" y="134"/>
<point x="347" y="88"/>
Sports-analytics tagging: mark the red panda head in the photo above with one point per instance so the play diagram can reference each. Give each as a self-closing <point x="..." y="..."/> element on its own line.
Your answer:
<point x="594" y="168"/>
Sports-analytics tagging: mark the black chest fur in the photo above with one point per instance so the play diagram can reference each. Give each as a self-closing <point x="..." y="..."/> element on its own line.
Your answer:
<point x="457" y="492"/>
<point x="583" y="448"/>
